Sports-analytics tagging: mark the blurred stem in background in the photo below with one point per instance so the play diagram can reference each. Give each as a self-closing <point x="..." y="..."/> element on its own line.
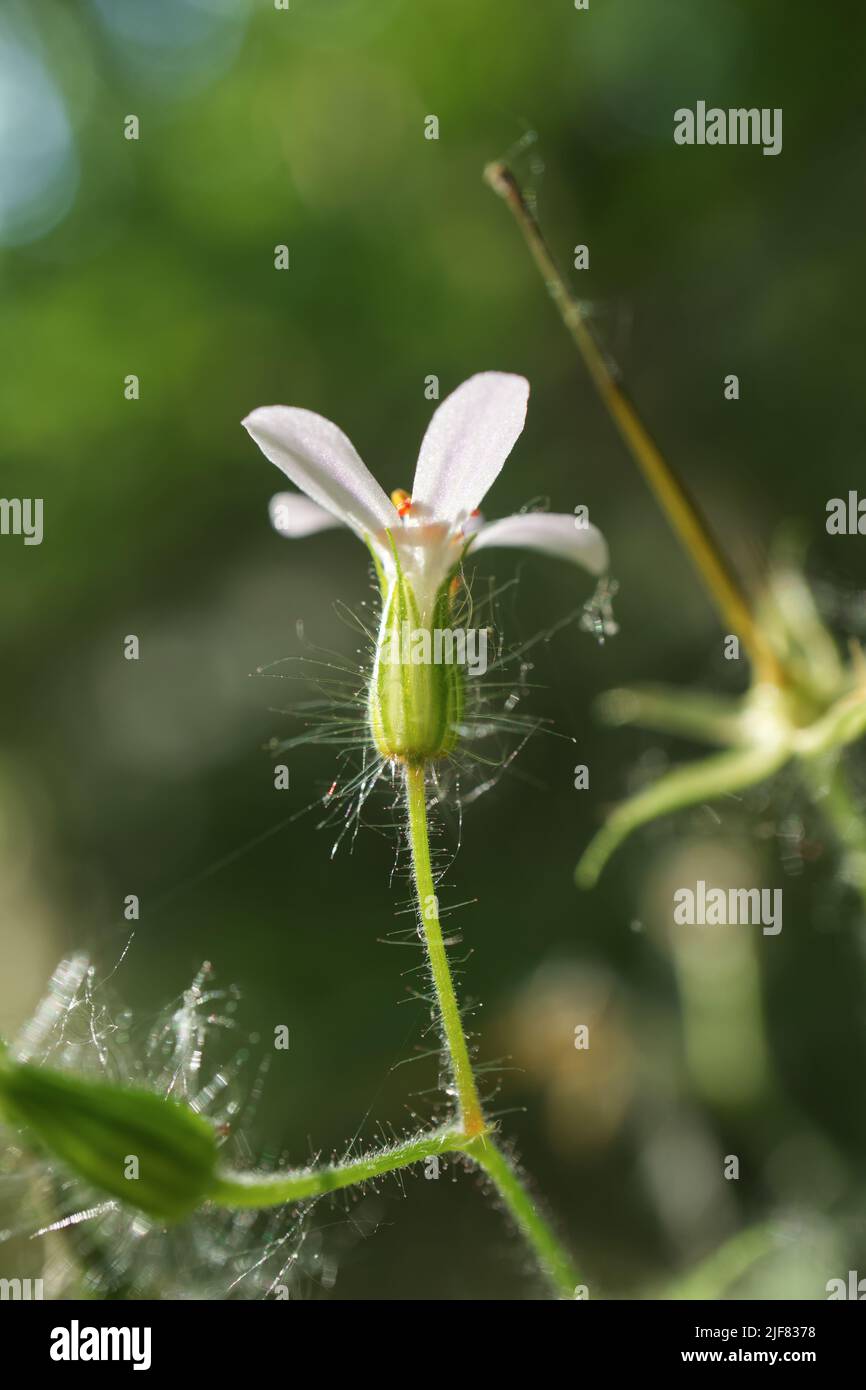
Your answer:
<point x="723" y="1018"/>
<point x="715" y="1274"/>
<point x="804" y="705"/>
<point x="681" y="509"/>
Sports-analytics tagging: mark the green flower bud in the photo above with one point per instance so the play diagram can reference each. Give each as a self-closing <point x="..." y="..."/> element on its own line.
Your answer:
<point x="416" y="697"/>
<point x="152" y="1153"/>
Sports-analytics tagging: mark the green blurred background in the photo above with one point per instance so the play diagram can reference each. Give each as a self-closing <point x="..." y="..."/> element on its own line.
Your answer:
<point x="260" y="127"/>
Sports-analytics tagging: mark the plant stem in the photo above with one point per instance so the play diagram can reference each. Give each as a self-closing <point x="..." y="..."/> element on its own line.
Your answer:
<point x="272" y="1189"/>
<point x="472" y="1135"/>
<point x="466" y="1092"/>
<point x="261" y="1190"/>
<point x="552" y="1258"/>
<point x="713" y="1276"/>
<point x="477" y="1140"/>
<point x="681" y="509"/>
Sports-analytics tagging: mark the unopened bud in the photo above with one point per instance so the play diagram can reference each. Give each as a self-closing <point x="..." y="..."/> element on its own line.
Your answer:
<point x="415" y="699"/>
<point x="96" y="1129"/>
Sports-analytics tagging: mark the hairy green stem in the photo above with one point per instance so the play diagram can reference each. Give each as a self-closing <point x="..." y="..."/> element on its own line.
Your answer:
<point x="478" y="1142"/>
<point x="552" y="1258"/>
<point x="272" y="1189"/>
<point x="465" y="1090"/>
<point x="261" y="1190"/>
<point x="471" y="1136"/>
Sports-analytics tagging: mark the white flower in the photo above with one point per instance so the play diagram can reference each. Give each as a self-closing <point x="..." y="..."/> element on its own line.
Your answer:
<point x="417" y="542"/>
<point x="467" y="442"/>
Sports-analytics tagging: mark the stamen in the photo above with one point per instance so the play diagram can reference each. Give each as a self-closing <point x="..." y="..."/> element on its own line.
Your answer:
<point x="402" y="501"/>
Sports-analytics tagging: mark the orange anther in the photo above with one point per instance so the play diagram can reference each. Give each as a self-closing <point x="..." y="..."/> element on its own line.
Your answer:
<point x="402" y="501"/>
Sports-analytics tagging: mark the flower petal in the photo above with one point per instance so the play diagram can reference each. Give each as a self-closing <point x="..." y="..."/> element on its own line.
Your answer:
<point x="556" y="533"/>
<point x="294" y="515"/>
<point x="467" y="442"/>
<point x="320" y="460"/>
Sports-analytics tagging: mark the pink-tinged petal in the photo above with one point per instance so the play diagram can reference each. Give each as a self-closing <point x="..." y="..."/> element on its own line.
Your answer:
<point x="467" y="442"/>
<point x="553" y="533"/>
<point x="322" y="462"/>
<point x="294" y="515"/>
